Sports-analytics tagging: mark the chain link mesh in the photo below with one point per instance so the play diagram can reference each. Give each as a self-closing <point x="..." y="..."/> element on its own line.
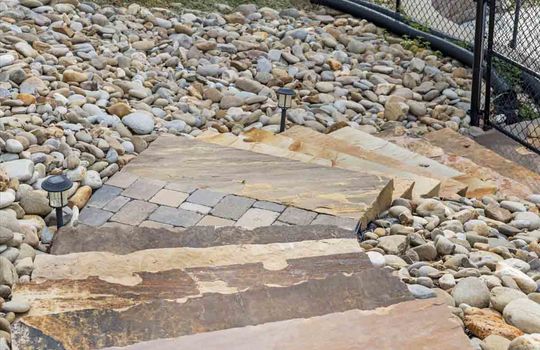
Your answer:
<point x="515" y="54"/>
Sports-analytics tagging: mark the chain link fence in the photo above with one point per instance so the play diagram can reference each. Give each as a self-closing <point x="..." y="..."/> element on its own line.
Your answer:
<point x="510" y="53"/>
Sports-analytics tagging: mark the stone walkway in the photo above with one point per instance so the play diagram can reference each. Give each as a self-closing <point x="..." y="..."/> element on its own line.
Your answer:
<point x="131" y="200"/>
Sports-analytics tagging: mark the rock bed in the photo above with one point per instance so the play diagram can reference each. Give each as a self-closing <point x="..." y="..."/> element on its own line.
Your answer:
<point x="84" y="89"/>
<point x="479" y="256"/>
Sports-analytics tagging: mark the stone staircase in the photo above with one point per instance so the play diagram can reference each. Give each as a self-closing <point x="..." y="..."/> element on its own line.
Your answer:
<point x="414" y="175"/>
<point x="227" y="288"/>
<point x="149" y="267"/>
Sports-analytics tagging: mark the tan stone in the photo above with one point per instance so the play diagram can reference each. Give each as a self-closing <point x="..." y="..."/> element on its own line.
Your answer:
<point x="27" y="99"/>
<point x="120" y="109"/>
<point x="334" y="64"/>
<point x="485" y="322"/>
<point x="4" y="181"/>
<point x="80" y="197"/>
<point x="71" y="76"/>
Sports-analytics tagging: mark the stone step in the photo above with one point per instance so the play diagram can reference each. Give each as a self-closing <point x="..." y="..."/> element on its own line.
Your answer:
<point x="215" y="281"/>
<point x="511" y="150"/>
<point x="357" y="158"/>
<point x="269" y="143"/>
<point x="453" y="181"/>
<point x="222" y="281"/>
<point x="396" y="153"/>
<point x="425" y="322"/>
<point x="129" y="239"/>
<point x="188" y="163"/>
<point x="475" y="162"/>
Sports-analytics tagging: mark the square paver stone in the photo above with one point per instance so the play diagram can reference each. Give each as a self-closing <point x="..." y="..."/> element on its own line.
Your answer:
<point x="117" y="203"/>
<point x="256" y="217"/>
<point x="155" y="224"/>
<point x="103" y="196"/>
<point x="202" y="209"/>
<point x="269" y="206"/>
<point x="296" y="216"/>
<point x="232" y="207"/>
<point x="169" y="198"/>
<point x="205" y="197"/>
<point x="94" y="216"/>
<point x="134" y="212"/>
<point x="143" y="189"/>
<point x="323" y="219"/>
<point x="175" y="216"/>
<point x="122" y="179"/>
<point x="180" y="187"/>
<point x="210" y="220"/>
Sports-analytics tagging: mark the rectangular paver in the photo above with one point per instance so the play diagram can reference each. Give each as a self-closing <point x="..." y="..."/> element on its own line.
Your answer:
<point x="323" y="219"/>
<point x="117" y="203"/>
<point x="155" y="224"/>
<point x="143" y="189"/>
<point x="122" y="179"/>
<point x="94" y="216"/>
<point x="232" y="207"/>
<point x="202" y="209"/>
<point x="186" y="188"/>
<point x="169" y="198"/>
<point x="296" y="216"/>
<point x="103" y="196"/>
<point x="210" y="220"/>
<point x="175" y="216"/>
<point x="255" y="217"/>
<point x="269" y="206"/>
<point x="205" y="197"/>
<point x="134" y="212"/>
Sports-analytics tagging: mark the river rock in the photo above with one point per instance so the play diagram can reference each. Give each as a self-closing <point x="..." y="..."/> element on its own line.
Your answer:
<point x="35" y="203"/>
<point x="502" y="296"/>
<point x="139" y="122"/>
<point x="524" y="314"/>
<point x="526" y="342"/>
<point x="471" y="291"/>
<point x="21" y="169"/>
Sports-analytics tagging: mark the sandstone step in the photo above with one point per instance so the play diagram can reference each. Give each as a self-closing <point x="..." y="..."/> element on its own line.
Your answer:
<point x="387" y="149"/>
<point x="425" y="322"/>
<point x="454" y="143"/>
<point x="453" y="181"/>
<point x="475" y="162"/>
<point x="511" y="150"/>
<point x="355" y="158"/>
<point x="265" y="142"/>
<point x="128" y="239"/>
<point x="196" y="164"/>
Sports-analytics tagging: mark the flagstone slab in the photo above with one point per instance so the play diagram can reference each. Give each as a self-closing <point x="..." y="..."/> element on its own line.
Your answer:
<point x="456" y="144"/>
<point x="265" y="142"/>
<point x="227" y="170"/>
<point x="172" y="303"/>
<point x="372" y="143"/>
<point x="129" y="239"/>
<point x="426" y="323"/>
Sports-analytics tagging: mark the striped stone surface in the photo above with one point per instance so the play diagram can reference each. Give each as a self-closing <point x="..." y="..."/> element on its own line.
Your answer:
<point x="227" y="288"/>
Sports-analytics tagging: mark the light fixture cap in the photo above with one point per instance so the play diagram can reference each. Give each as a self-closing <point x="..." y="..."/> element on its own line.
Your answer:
<point x="57" y="183"/>
<point x="286" y="91"/>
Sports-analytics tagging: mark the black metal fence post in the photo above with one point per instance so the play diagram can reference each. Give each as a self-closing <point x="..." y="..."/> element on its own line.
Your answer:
<point x="398" y="6"/>
<point x="489" y="61"/>
<point x="476" y="97"/>
<point x="513" y="42"/>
